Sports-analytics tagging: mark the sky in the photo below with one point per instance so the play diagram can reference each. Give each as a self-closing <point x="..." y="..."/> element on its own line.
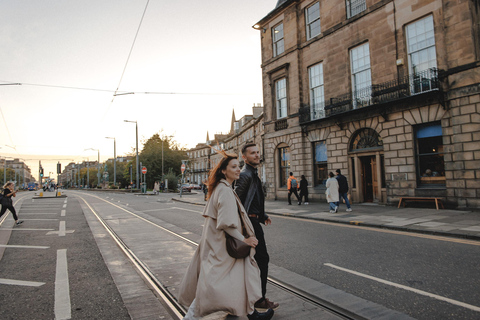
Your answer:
<point x="180" y="71"/>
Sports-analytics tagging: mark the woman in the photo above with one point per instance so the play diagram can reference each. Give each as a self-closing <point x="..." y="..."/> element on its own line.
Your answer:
<point x="7" y="203"/>
<point x="332" y="192"/>
<point x="303" y="189"/>
<point x="214" y="281"/>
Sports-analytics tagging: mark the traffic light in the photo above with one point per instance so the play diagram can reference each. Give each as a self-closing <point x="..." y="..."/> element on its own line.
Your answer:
<point x="59" y="168"/>
<point x="41" y="172"/>
<point x="130" y="170"/>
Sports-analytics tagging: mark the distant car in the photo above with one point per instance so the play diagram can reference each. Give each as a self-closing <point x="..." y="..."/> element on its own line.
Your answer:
<point x="186" y="187"/>
<point x="195" y="186"/>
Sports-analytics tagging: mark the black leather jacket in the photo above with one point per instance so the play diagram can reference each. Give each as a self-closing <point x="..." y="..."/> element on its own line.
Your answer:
<point x="246" y="186"/>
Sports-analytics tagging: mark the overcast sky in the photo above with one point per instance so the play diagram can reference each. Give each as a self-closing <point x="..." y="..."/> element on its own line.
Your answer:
<point x="192" y="63"/>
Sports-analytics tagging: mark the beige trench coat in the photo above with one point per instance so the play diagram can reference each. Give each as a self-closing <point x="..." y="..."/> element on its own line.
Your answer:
<point x="332" y="190"/>
<point x="217" y="281"/>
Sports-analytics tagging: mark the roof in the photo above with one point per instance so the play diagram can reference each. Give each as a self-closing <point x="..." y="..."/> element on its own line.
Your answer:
<point x="280" y="5"/>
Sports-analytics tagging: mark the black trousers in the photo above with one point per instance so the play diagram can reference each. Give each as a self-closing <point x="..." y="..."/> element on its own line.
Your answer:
<point x="304" y="196"/>
<point x="294" y="191"/>
<point x="12" y="210"/>
<point x="261" y="255"/>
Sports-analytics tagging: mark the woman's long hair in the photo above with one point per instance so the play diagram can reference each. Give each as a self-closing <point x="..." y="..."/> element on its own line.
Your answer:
<point x="7" y="185"/>
<point x="216" y="173"/>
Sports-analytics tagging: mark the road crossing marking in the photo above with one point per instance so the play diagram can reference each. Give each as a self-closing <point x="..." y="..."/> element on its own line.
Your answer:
<point x="63" y="213"/>
<point x="61" y="230"/>
<point x="21" y="283"/>
<point x="196" y="211"/>
<point x="22" y="246"/>
<point x="65" y="205"/>
<point x="400" y="286"/>
<point x="62" y="287"/>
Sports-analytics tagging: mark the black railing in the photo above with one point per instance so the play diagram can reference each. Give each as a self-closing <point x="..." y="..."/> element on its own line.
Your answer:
<point x="281" y="124"/>
<point x="404" y="87"/>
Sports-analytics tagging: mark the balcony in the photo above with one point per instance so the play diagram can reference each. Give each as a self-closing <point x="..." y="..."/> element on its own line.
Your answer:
<point x="281" y="124"/>
<point x="377" y="94"/>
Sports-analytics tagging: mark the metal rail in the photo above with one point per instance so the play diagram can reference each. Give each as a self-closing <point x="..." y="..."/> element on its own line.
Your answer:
<point x="171" y="301"/>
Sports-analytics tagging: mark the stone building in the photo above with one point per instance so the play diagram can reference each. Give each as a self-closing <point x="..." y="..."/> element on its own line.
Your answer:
<point x="388" y="91"/>
<point x="249" y="128"/>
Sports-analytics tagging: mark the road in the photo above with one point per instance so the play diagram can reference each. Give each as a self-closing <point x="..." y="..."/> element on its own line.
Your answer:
<point x="423" y="276"/>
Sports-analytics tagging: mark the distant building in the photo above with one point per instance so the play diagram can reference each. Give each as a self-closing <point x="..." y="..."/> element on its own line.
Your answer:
<point x="249" y="128"/>
<point x="386" y="91"/>
<point x="22" y="174"/>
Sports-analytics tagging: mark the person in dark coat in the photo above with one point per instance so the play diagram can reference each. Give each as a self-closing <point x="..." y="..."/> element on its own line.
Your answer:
<point x="343" y="189"/>
<point x="250" y="191"/>
<point x="303" y="189"/>
<point x="7" y="203"/>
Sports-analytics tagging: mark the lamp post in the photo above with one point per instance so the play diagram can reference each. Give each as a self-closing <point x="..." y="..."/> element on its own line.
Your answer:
<point x="137" y="163"/>
<point x="162" y="156"/>
<point x="114" y="160"/>
<point x="98" y="172"/>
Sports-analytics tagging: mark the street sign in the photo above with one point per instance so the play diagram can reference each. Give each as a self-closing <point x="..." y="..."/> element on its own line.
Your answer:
<point x="144" y="170"/>
<point x="182" y="167"/>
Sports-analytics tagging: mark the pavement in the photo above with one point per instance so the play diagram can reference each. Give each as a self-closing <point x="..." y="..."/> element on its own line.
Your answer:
<point x="443" y="222"/>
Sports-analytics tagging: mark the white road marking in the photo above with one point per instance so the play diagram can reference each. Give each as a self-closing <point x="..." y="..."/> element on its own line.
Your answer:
<point x="424" y="293"/>
<point x="21" y="283"/>
<point x="65" y="205"/>
<point x="22" y="247"/>
<point x="62" y="287"/>
<point x="61" y="229"/>
<point x="196" y="211"/>
<point x="25" y="229"/>
<point x="63" y="213"/>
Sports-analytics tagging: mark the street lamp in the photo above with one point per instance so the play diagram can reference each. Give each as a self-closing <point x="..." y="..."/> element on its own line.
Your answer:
<point x="114" y="160"/>
<point x="98" y="173"/>
<point x="137" y="163"/>
<point x="162" y="155"/>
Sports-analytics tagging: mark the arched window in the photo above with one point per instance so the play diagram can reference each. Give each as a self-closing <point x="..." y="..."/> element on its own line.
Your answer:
<point x="366" y="139"/>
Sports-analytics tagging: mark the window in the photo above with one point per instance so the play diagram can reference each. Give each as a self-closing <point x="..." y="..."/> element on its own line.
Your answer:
<point x="317" y="98"/>
<point x="430" y="163"/>
<point x="321" y="170"/>
<point x="421" y="45"/>
<point x="354" y="7"/>
<point x="312" y="19"/>
<point x="277" y="35"/>
<point x="284" y="156"/>
<point x="361" y="75"/>
<point x="281" y="98"/>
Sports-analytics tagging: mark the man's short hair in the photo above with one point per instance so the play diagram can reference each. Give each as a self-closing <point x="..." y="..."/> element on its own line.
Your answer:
<point x="338" y="171"/>
<point x="291" y="173"/>
<point x="248" y="145"/>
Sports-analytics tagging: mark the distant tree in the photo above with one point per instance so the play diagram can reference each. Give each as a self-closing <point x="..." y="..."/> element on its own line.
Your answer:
<point x="151" y="157"/>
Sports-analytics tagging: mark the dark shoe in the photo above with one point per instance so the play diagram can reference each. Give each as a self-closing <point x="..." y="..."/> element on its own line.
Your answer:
<point x="261" y="315"/>
<point x="19" y="222"/>
<point x="265" y="305"/>
<point x="299" y="203"/>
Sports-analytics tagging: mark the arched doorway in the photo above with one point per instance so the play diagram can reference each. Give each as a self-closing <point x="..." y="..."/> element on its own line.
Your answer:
<point x="367" y="166"/>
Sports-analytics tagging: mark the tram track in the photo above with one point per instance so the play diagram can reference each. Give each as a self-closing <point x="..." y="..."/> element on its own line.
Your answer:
<point x="170" y="301"/>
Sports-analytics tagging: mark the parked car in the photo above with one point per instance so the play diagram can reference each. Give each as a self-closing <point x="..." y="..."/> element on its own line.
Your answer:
<point x="195" y="186"/>
<point x="186" y="187"/>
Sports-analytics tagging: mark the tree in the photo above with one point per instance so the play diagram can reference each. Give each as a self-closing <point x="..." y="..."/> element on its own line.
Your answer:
<point x="151" y="157"/>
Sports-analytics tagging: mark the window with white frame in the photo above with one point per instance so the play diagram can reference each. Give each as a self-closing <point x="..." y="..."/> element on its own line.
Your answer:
<point x="355" y="7"/>
<point x="361" y="75"/>
<point x="277" y="36"/>
<point x="312" y="19"/>
<point x="281" y="98"/>
<point x="421" y="45"/>
<point x="317" y="98"/>
<point x="422" y="57"/>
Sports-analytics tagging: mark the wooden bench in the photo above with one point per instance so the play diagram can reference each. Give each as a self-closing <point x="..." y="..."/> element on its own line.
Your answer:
<point x="437" y="200"/>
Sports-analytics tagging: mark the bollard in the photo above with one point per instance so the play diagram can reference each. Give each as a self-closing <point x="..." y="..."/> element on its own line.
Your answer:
<point x="41" y="194"/>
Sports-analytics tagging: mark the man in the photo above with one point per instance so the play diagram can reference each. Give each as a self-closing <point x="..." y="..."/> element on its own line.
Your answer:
<point x="292" y="185"/>
<point x="343" y="189"/>
<point x="250" y="191"/>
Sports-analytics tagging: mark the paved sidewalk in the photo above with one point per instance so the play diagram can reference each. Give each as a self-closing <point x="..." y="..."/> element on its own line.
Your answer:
<point x="445" y="222"/>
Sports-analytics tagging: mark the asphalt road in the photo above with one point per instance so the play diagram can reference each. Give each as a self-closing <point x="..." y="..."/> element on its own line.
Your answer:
<point x="410" y="273"/>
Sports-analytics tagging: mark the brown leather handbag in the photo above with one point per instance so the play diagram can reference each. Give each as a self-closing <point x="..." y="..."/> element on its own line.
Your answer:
<point x="236" y="248"/>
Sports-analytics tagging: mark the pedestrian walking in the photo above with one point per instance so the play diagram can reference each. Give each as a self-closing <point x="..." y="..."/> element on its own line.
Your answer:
<point x="292" y="186"/>
<point x="215" y="281"/>
<point x="332" y="193"/>
<point x="250" y="191"/>
<point x="7" y="203"/>
<point x="343" y="189"/>
<point x="303" y="190"/>
<point x="205" y="190"/>
<point x="156" y="187"/>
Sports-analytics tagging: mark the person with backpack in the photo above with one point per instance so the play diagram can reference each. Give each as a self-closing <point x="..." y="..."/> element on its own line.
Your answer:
<point x="6" y="201"/>
<point x="343" y="189"/>
<point x="292" y="185"/>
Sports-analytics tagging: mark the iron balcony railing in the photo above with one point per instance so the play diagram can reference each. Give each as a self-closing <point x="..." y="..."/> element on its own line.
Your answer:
<point x="404" y="87"/>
